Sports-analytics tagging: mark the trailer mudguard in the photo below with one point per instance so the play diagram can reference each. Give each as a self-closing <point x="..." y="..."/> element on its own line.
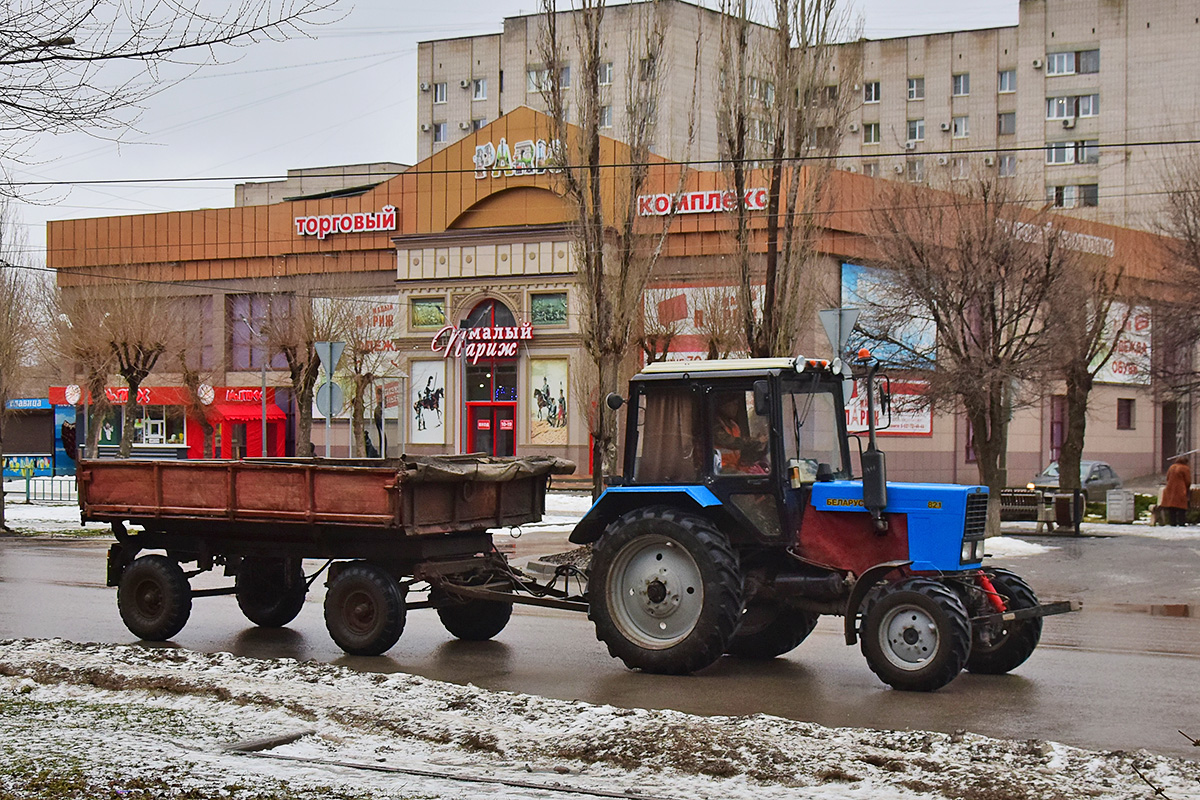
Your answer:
<point x="618" y="500"/>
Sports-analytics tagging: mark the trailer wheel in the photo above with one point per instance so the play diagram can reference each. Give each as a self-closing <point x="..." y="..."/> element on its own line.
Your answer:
<point x="1000" y="647"/>
<point x="915" y="634"/>
<point x="472" y="620"/>
<point x="768" y="630"/>
<point x="154" y="598"/>
<point x="270" y="591"/>
<point x="364" y="610"/>
<point x="665" y="591"/>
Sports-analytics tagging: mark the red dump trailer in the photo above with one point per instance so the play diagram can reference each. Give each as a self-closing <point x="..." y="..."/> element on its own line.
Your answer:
<point x="385" y="529"/>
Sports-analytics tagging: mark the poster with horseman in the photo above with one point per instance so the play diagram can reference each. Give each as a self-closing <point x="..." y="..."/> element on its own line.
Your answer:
<point x="427" y="400"/>
<point x="548" y="401"/>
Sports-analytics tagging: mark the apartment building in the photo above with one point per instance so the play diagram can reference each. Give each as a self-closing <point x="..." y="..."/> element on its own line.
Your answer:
<point x="1078" y="102"/>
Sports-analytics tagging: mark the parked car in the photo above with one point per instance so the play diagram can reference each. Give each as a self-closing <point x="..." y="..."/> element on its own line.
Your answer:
<point x="1096" y="477"/>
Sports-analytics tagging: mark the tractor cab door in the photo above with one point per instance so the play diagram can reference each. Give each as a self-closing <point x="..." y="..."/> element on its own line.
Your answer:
<point x="742" y="462"/>
<point x="813" y="427"/>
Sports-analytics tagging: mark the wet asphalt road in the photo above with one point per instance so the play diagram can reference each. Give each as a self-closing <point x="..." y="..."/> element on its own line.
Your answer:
<point x="1112" y="677"/>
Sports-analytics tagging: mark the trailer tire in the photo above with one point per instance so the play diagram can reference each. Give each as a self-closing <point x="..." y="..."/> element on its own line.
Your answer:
<point x="364" y="610"/>
<point x="1003" y="646"/>
<point x="473" y="620"/>
<point x="768" y="630"/>
<point x="154" y="598"/>
<point x="270" y="591"/>
<point x="665" y="591"/>
<point x="916" y="634"/>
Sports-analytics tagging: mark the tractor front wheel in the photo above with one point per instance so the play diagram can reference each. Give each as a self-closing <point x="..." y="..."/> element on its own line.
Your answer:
<point x="154" y="598"/>
<point x="665" y="591"/>
<point x="1000" y="647"/>
<point x="364" y="609"/>
<point x="916" y="634"/>
<point x="270" y="591"/>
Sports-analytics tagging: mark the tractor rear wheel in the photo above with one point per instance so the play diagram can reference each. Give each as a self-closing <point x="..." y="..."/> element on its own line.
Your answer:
<point x="915" y="634"/>
<point x="768" y="630"/>
<point x="1000" y="647"/>
<point x="364" y="609"/>
<point x="270" y="591"/>
<point x="154" y="598"/>
<point x="665" y="591"/>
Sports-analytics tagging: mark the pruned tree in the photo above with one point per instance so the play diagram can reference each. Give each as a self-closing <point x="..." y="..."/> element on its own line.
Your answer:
<point x="785" y="93"/>
<point x="616" y="250"/>
<point x="965" y="284"/>
<point x="86" y="65"/>
<point x="18" y="324"/>
<point x="718" y="320"/>
<point x="1177" y="323"/>
<point x="82" y="312"/>
<point x="138" y="329"/>
<point x="197" y="365"/>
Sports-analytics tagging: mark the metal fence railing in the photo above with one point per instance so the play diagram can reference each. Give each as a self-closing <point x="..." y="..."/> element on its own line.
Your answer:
<point x="61" y="489"/>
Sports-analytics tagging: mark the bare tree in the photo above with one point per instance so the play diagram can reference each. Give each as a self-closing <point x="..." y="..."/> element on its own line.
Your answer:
<point x="81" y="317"/>
<point x="1176" y="322"/>
<point x="963" y="301"/>
<point x="196" y="368"/>
<point x="17" y="324"/>
<point x="616" y="251"/>
<point x="68" y="65"/>
<point x="785" y="94"/>
<point x="719" y="321"/>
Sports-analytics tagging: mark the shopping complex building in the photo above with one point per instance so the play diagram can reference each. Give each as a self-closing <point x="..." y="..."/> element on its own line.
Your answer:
<point x="466" y="274"/>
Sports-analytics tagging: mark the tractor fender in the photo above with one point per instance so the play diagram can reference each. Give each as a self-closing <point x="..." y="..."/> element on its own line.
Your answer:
<point x="619" y="500"/>
<point x="865" y="583"/>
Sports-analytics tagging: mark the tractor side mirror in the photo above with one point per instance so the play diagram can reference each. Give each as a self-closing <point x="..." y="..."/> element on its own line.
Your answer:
<point x="762" y="398"/>
<point x="614" y="401"/>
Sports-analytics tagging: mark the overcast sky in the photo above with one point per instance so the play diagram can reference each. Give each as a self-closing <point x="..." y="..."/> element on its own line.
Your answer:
<point x="345" y="96"/>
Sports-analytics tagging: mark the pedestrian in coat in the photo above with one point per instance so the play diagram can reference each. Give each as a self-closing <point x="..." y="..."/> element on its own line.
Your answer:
<point x="1175" y="494"/>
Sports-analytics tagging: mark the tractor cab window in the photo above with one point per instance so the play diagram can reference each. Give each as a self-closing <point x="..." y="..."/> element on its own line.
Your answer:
<point x="668" y="444"/>
<point x="811" y="432"/>
<point x="740" y="437"/>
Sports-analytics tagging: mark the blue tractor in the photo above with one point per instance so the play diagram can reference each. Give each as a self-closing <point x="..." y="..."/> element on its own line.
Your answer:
<point x="737" y="523"/>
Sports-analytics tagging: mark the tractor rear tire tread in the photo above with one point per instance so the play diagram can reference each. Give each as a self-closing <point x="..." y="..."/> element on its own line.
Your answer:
<point x="1017" y="640"/>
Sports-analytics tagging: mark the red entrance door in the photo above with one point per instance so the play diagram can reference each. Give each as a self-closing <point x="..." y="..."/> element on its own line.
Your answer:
<point x="491" y="428"/>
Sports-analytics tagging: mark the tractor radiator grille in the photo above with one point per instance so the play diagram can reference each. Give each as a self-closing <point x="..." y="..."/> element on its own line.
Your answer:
<point x="975" y="525"/>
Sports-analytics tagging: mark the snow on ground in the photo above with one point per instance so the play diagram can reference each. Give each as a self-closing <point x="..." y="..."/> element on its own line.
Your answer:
<point x="120" y="719"/>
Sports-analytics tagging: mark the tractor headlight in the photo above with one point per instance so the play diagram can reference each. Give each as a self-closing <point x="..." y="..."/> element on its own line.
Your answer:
<point x="972" y="551"/>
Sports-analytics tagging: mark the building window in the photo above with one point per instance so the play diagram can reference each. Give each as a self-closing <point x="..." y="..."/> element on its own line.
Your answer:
<point x="549" y="308"/>
<point x="1089" y="195"/>
<point x="870" y="169"/>
<point x="1060" y="153"/>
<point x="1125" y="413"/>
<point x="478" y="123"/>
<point x="1068" y="107"/>
<point x="605" y="116"/>
<point x="871" y="92"/>
<point x="564" y="77"/>
<point x="249" y="319"/>
<point x="1006" y="123"/>
<point x="960" y="168"/>
<point x="604" y="74"/>
<point x="871" y="133"/>
<point x="1008" y="165"/>
<point x="916" y="130"/>
<point x="761" y="89"/>
<point x="479" y="89"/>
<point x="537" y="80"/>
<point x="1083" y="196"/>
<point x="961" y="84"/>
<point x="1061" y="196"/>
<point x="439" y="132"/>
<point x="647" y="67"/>
<point x="1058" y="424"/>
<point x="916" y="88"/>
<point x="1077" y="62"/>
<point x="916" y="170"/>
<point x="960" y="127"/>
<point x="439" y="93"/>
<point x="1087" y="151"/>
<point x="428" y="312"/>
<point x="1008" y="81"/>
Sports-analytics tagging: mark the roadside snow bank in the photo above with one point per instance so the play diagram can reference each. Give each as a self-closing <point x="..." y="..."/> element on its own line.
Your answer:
<point x="118" y="714"/>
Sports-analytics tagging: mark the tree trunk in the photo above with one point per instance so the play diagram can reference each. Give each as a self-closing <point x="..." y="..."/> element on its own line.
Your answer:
<point x="131" y="406"/>
<point x="304" y="420"/>
<point x="3" y="525"/>
<point x="604" y="449"/>
<point x="208" y="429"/>
<point x="1079" y="386"/>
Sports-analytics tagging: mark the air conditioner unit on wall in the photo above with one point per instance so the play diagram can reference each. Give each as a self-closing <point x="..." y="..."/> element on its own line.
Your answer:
<point x="943" y="161"/>
<point x="425" y="126"/>
<point x="898" y="168"/>
<point x="1069" y="123"/>
<point x="910" y="145"/>
<point x="989" y="161"/>
<point x="424" y="87"/>
<point x="465" y="83"/>
<point x="464" y="126"/>
<point x="851" y="168"/>
<point x="854" y="127"/>
<point x="945" y="126"/>
<point x="1037" y="63"/>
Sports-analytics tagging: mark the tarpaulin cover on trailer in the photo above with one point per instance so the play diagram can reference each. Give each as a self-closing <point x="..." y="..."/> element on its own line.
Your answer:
<point x="418" y="469"/>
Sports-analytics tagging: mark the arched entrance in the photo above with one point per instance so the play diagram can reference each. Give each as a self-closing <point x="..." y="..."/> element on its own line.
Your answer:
<point x="491" y="389"/>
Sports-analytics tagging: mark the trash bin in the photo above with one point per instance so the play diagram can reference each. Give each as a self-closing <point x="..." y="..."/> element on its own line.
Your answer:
<point x="1068" y="509"/>
<point x="1119" y="505"/>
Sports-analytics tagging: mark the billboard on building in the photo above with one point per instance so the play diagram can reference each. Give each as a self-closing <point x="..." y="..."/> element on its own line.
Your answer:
<point x="428" y="399"/>
<point x="1130" y="361"/>
<point x="548" y="401"/>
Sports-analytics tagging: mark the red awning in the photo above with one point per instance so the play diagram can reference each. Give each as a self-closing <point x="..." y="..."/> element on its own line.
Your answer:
<point x="247" y="412"/>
